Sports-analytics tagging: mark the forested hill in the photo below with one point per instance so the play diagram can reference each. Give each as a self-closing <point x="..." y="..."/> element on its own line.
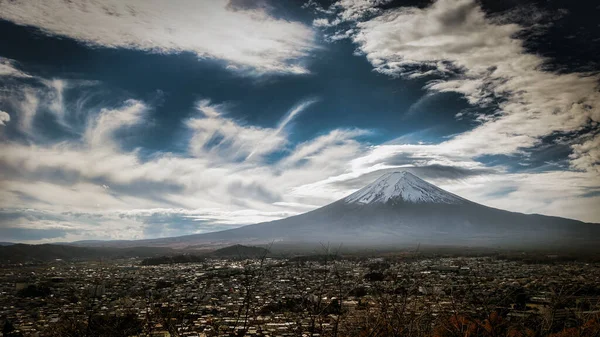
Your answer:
<point x="241" y="251"/>
<point x="19" y="253"/>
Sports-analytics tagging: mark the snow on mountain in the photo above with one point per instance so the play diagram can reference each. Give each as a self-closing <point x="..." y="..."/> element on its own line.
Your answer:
<point x="402" y="186"/>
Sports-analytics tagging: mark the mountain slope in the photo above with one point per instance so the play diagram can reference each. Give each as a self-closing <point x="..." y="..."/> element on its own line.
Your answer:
<point x="400" y="208"/>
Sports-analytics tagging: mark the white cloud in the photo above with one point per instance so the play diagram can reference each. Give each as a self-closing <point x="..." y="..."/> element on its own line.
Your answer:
<point x="228" y="139"/>
<point x="29" y="99"/>
<point x="100" y="132"/>
<point x="480" y="58"/>
<point x="246" y="38"/>
<point x="558" y="193"/>
<point x="337" y="144"/>
<point x="225" y="138"/>
<point x="353" y="10"/>
<point x="28" y="106"/>
<point x="55" y="97"/>
<point x="129" y="223"/>
<point x="4" y="118"/>
<point x="285" y="121"/>
<point x="325" y="23"/>
<point x="586" y="156"/>
<point x="7" y="68"/>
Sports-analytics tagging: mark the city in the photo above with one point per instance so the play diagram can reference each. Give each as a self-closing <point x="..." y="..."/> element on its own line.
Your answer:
<point x="404" y="294"/>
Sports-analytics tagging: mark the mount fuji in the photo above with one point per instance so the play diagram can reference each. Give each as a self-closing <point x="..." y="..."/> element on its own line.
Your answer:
<point x="402" y="187"/>
<point x="399" y="208"/>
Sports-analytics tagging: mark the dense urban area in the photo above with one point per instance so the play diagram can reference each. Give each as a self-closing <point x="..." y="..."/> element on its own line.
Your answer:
<point x="402" y="294"/>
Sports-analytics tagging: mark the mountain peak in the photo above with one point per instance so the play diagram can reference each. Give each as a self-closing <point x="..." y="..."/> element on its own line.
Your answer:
<point x="402" y="186"/>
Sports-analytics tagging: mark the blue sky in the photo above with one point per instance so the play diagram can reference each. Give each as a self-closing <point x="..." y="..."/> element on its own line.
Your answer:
<point x="142" y="119"/>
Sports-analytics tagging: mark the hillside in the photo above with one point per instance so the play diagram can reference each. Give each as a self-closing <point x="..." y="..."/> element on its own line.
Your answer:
<point x="241" y="251"/>
<point x="18" y="253"/>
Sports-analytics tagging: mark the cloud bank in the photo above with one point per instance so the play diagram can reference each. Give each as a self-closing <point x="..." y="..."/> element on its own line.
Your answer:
<point x="460" y="49"/>
<point x="4" y="118"/>
<point x="246" y="38"/>
<point x="7" y="68"/>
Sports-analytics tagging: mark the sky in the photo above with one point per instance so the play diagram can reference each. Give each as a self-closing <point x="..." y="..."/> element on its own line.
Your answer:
<point x="132" y="119"/>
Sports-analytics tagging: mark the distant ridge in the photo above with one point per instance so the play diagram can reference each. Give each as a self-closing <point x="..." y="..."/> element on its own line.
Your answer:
<point x="241" y="251"/>
<point x="18" y="253"/>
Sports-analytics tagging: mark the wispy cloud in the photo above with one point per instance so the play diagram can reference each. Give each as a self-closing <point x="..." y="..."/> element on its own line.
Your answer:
<point x="100" y="132"/>
<point x="285" y="121"/>
<point x="8" y="68"/>
<point x="293" y="113"/>
<point x="35" y="94"/>
<point x="94" y="173"/>
<point x="224" y="138"/>
<point x="247" y="38"/>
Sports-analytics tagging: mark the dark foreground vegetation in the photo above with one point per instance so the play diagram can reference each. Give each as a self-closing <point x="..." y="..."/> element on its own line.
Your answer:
<point x="324" y="294"/>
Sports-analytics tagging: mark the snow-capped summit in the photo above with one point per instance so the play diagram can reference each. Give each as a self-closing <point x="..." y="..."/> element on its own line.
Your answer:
<point x="402" y="186"/>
